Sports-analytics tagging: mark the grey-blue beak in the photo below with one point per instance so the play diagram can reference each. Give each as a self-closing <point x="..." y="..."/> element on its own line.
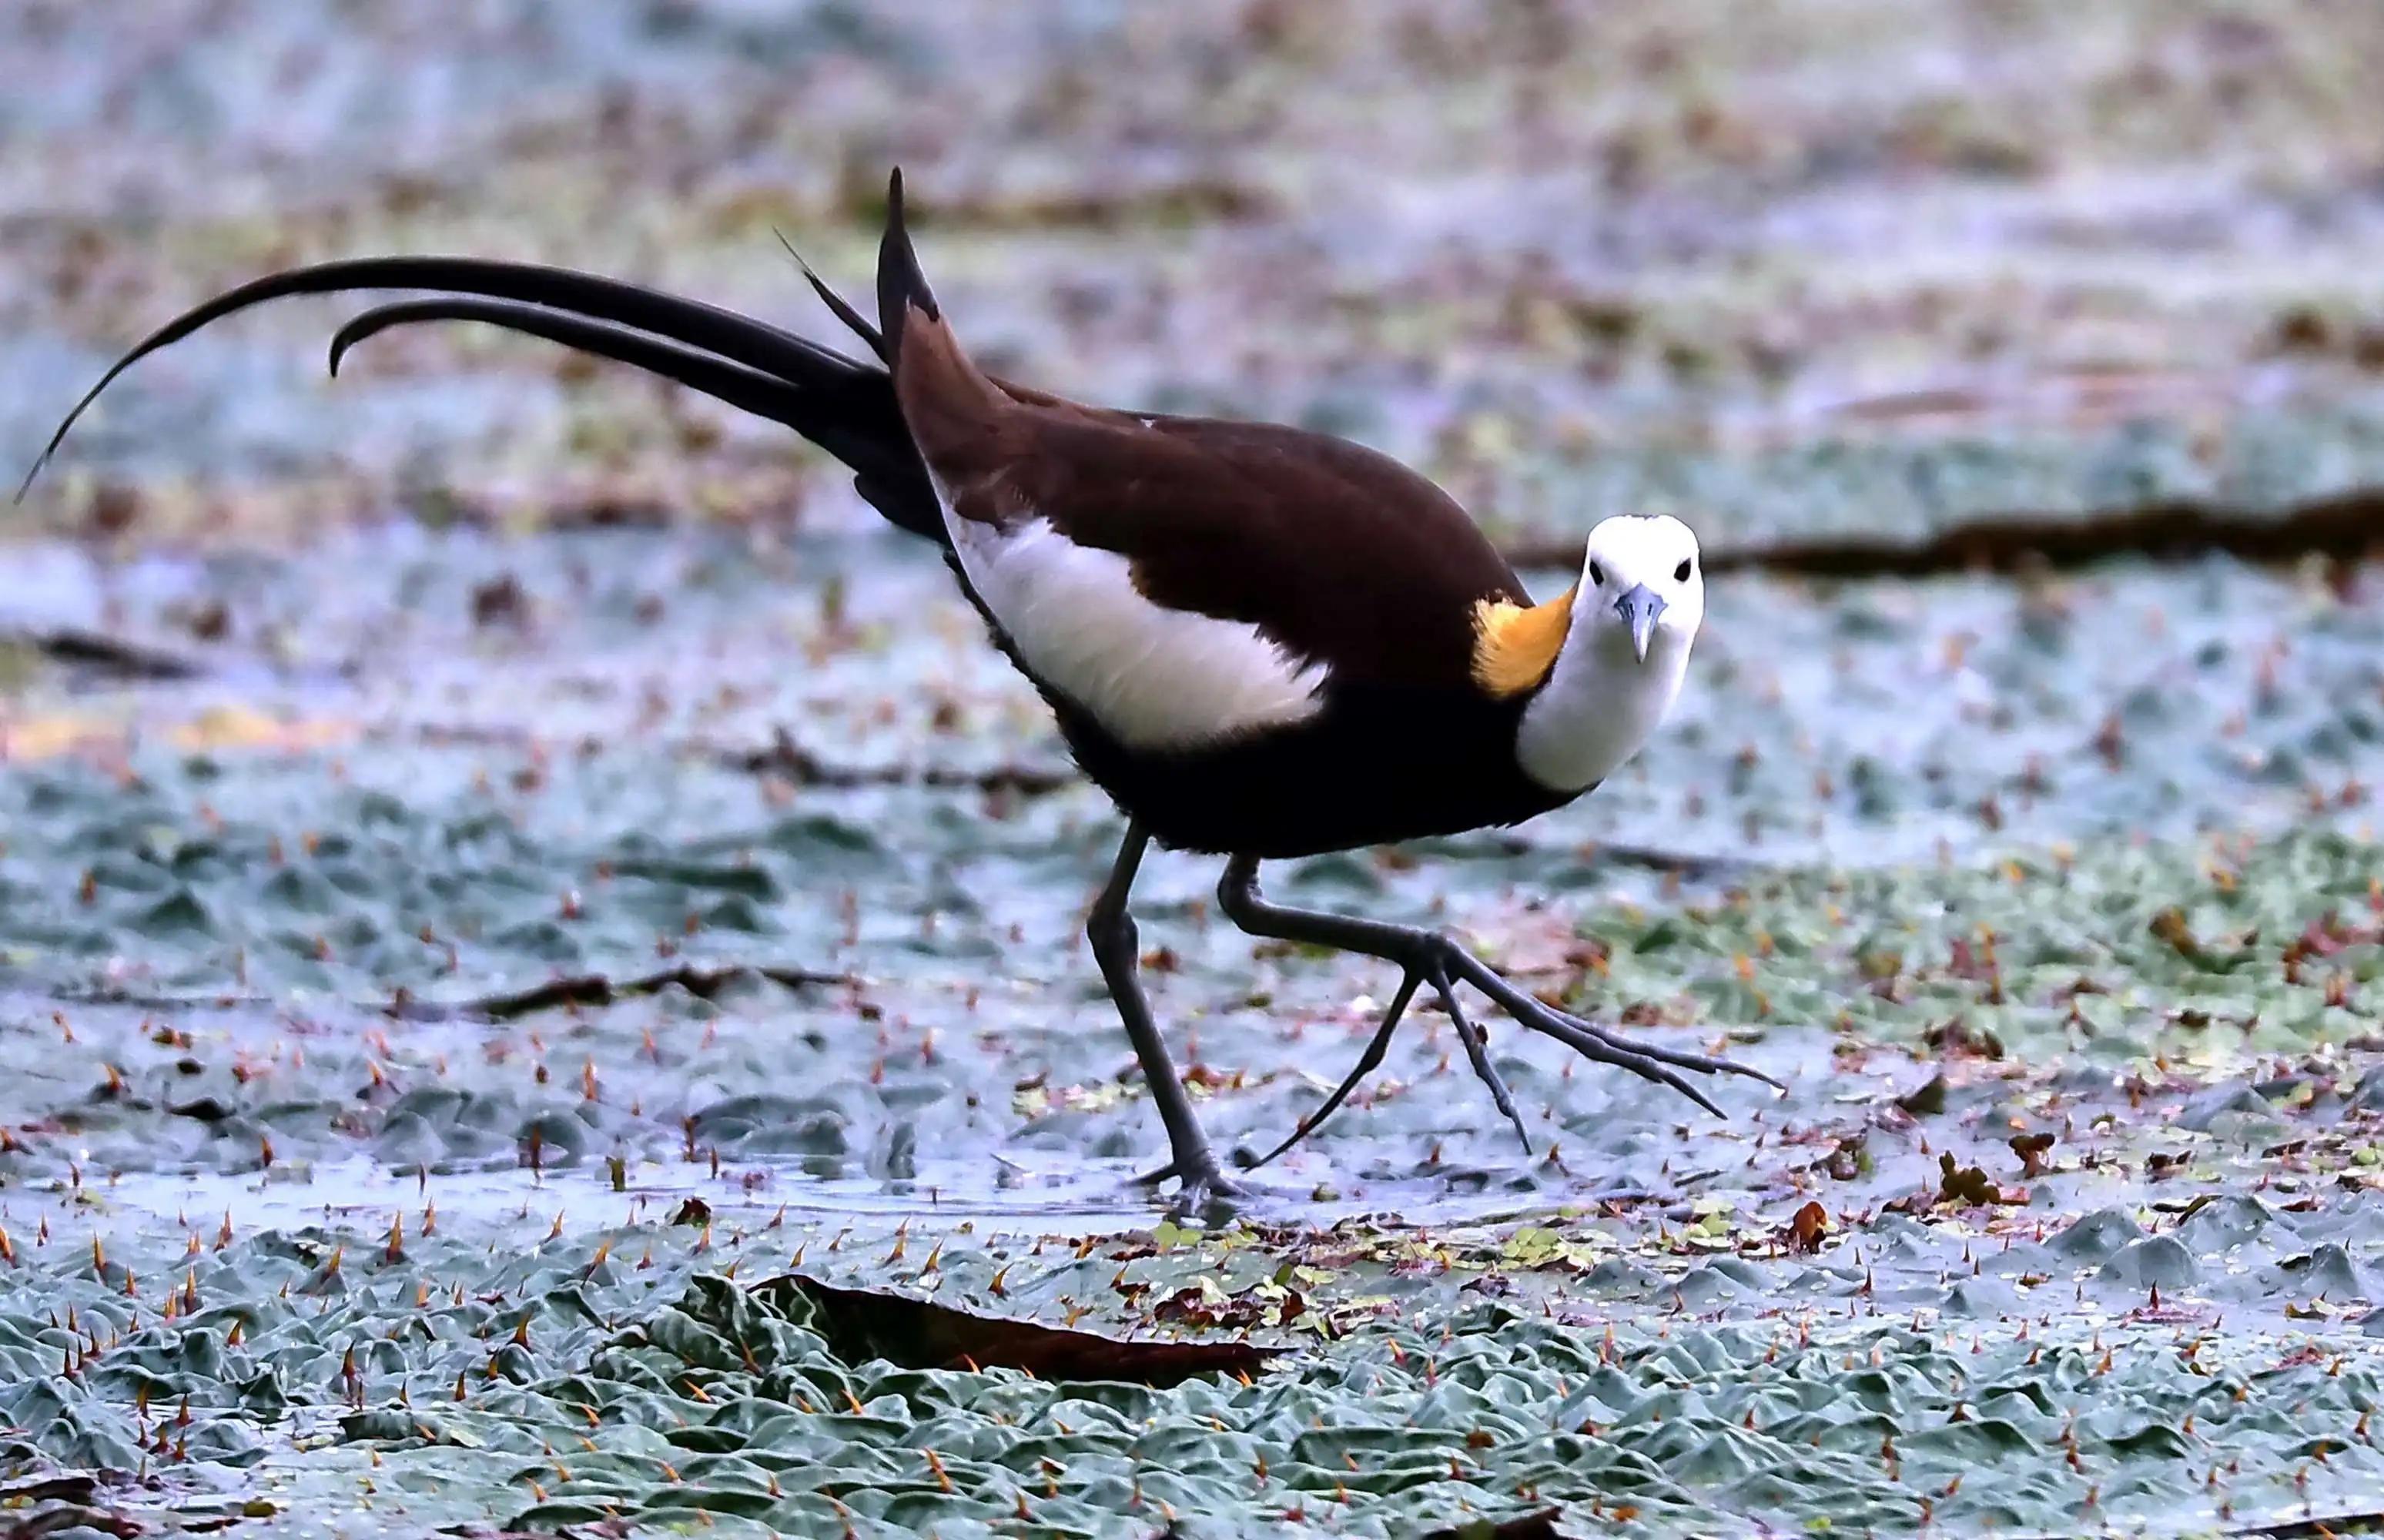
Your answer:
<point x="1639" y="610"/>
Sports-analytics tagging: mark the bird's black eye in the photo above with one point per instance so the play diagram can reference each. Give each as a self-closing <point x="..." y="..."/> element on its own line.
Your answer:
<point x="1597" y="575"/>
<point x="1680" y="573"/>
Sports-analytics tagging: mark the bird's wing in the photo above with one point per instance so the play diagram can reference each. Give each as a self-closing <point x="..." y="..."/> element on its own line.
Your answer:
<point x="1188" y="580"/>
<point x="1343" y="555"/>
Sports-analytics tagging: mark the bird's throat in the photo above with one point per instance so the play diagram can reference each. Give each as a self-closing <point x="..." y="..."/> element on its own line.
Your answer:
<point x="1599" y="706"/>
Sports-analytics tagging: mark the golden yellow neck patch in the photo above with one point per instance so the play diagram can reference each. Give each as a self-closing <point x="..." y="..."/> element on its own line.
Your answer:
<point x="1514" y="646"/>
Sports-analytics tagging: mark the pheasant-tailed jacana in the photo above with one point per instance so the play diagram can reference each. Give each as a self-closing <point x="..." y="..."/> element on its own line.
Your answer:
<point x="1259" y="641"/>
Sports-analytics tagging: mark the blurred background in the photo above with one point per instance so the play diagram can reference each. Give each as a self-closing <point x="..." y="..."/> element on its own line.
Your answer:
<point x="1844" y="264"/>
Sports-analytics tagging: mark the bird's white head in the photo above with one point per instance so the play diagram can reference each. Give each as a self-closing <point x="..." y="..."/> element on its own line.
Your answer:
<point x="1635" y="614"/>
<point x="1641" y="587"/>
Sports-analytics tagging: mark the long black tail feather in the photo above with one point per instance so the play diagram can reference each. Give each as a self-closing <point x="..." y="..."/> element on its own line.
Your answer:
<point x="855" y="420"/>
<point x="853" y="318"/>
<point x="742" y="386"/>
<point x="850" y="403"/>
<point x="901" y="287"/>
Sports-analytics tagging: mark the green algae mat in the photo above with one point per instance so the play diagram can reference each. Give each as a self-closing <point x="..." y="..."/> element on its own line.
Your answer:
<point x="541" y="985"/>
<point x="463" y="1071"/>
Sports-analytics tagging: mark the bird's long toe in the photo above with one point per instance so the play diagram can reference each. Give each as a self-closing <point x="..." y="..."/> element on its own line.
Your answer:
<point x="1477" y="1051"/>
<point x="1648" y="1061"/>
<point x="1376" y="1048"/>
<point x="1701" y="1063"/>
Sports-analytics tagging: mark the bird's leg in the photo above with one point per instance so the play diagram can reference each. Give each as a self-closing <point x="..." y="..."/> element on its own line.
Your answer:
<point x="1429" y="955"/>
<point x="1110" y="929"/>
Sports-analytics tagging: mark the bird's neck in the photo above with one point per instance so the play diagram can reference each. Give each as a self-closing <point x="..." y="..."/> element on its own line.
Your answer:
<point x="1599" y="705"/>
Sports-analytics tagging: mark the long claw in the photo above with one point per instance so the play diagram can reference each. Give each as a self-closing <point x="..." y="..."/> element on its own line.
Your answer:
<point x="1477" y="1049"/>
<point x="1376" y="1048"/>
<point x="1597" y="1046"/>
<point x="1706" y="1065"/>
<point x="1648" y="1061"/>
<point x="1702" y="1064"/>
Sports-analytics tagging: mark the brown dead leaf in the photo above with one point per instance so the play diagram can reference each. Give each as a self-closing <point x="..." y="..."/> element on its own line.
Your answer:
<point x="1525" y="1526"/>
<point x="1955" y="1039"/>
<point x="861" y="1324"/>
<point x="2329" y="934"/>
<point x="1925" y="1100"/>
<point x="1967" y="1186"/>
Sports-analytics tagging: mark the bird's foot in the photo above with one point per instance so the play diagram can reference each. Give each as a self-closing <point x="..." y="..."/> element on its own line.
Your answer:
<point x="1202" y="1187"/>
<point x="1431" y="957"/>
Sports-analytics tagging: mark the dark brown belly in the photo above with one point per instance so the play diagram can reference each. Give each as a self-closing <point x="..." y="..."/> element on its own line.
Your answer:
<point x="1373" y="768"/>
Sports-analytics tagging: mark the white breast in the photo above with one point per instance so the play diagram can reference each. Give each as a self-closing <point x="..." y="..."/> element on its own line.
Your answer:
<point x="1599" y="706"/>
<point x="1156" y="678"/>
